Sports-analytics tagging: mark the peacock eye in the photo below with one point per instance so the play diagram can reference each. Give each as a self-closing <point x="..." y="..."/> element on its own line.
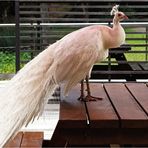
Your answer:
<point x="119" y="15"/>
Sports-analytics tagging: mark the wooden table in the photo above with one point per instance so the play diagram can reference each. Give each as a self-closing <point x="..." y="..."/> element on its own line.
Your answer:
<point x="120" y="118"/>
<point x="105" y="71"/>
<point x="26" y="140"/>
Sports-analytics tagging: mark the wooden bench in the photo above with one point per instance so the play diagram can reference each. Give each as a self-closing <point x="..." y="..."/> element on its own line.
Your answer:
<point x="104" y="71"/>
<point x="139" y="66"/>
<point x="26" y="139"/>
<point x="120" y="118"/>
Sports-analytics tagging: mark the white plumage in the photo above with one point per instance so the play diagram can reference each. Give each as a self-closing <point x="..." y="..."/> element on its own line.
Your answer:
<point x="67" y="61"/>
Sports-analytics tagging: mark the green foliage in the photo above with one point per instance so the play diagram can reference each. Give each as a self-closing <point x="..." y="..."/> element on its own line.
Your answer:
<point x="25" y="56"/>
<point x="7" y="62"/>
<point x="136" y="56"/>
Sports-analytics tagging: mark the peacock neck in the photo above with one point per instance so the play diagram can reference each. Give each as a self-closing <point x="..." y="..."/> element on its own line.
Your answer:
<point x="116" y="36"/>
<point x="115" y="22"/>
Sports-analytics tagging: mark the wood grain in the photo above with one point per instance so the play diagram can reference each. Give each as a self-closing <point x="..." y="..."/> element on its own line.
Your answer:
<point x="101" y="112"/>
<point x="129" y="111"/>
<point x="16" y="142"/>
<point x="32" y="139"/>
<point x="72" y="111"/>
<point x="140" y="93"/>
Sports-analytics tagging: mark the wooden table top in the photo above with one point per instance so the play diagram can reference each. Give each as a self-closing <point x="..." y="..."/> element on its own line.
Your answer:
<point x="26" y="139"/>
<point x="120" y="118"/>
<point x="124" y="105"/>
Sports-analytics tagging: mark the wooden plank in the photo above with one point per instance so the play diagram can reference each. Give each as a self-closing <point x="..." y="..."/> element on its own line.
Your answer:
<point x="72" y="111"/>
<point x="140" y="93"/>
<point x="32" y="139"/>
<point x="101" y="136"/>
<point x="144" y="66"/>
<point x="63" y="12"/>
<point x="135" y="66"/>
<point x="63" y="19"/>
<point x="81" y="1"/>
<point x="129" y="111"/>
<point x="16" y="142"/>
<point x="101" y="112"/>
<point x="85" y="6"/>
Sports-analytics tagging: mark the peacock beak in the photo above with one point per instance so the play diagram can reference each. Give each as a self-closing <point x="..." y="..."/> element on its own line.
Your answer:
<point x="125" y="17"/>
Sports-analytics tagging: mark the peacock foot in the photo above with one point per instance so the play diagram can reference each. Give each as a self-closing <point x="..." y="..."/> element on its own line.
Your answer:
<point x="92" y="98"/>
<point x="89" y="98"/>
<point x="81" y="98"/>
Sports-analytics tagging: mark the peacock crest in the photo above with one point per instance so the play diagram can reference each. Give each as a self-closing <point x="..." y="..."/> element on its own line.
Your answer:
<point x="114" y="10"/>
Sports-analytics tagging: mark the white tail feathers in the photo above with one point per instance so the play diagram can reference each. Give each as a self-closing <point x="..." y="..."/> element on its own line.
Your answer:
<point x="114" y="10"/>
<point x="24" y="96"/>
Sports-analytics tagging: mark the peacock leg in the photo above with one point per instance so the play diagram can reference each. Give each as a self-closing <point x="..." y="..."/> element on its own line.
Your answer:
<point x="82" y="97"/>
<point x="89" y="97"/>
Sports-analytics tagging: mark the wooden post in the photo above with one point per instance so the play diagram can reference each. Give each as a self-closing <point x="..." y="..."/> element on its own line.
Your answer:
<point x="17" y="33"/>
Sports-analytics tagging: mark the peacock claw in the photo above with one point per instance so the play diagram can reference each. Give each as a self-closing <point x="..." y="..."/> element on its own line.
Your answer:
<point x="89" y="98"/>
<point x="92" y="98"/>
<point x="81" y="98"/>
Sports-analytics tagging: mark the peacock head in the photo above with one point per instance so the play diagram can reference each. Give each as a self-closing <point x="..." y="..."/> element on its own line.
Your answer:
<point x="118" y="15"/>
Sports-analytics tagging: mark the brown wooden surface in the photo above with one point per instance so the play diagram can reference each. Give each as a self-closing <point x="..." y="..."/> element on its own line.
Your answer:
<point x="140" y="93"/>
<point x="72" y="111"/>
<point x="32" y="139"/>
<point x="16" y="142"/>
<point x="94" y="137"/>
<point x="118" y="107"/>
<point x="120" y="118"/>
<point x="26" y="139"/>
<point x="101" y="112"/>
<point x="130" y="113"/>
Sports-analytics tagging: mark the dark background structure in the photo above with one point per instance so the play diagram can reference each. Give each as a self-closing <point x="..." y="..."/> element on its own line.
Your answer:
<point x="41" y="23"/>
